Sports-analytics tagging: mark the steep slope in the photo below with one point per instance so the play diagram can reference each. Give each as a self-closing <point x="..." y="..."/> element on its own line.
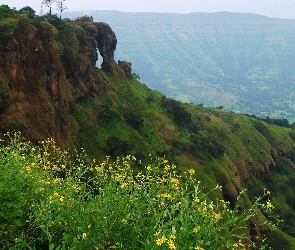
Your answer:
<point x="50" y="87"/>
<point x="240" y="61"/>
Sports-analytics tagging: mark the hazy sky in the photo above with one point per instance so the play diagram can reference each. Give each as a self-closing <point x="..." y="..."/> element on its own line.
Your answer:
<point x="271" y="8"/>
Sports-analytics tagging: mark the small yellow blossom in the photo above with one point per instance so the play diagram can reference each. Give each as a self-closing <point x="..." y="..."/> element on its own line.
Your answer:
<point x="171" y="244"/>
<point x="167" y="168"/>
<point x="269" y="205"/>
<point x="84" y="236"/>
<point x="196" y="199"/>
<point x="175" y="181"/>
<point x="199" y="248"/>
<point x="191" y="171"/>
<point x="196" y="229"/>
<point x="149" y="168"/>
<point x="161" y="240"/>
<point x="157" y="233"/>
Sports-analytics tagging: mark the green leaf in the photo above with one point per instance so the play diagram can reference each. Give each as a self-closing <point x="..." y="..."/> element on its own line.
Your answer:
<point x="51" y="246"/>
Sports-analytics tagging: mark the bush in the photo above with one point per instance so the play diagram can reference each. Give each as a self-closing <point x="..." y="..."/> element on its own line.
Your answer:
<point x="134" y="118"/>
<point x="116" y="146"/>
<point x="207" y="144"/>
<point x="27" y="10"/>
<point x="180" y="115"/>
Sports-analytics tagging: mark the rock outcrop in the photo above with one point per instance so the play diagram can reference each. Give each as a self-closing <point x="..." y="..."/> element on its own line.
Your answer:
<point x="126" y="66"/>
<point x="45" y="68"/>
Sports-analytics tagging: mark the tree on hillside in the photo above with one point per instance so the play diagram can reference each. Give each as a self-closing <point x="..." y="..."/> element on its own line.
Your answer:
<point x="48" y="3"/>
<point x="61" y="7"/>
<point x="27" y="10"/>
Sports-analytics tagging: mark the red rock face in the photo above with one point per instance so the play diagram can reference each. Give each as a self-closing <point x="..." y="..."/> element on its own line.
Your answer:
<point x="45" y="69"/>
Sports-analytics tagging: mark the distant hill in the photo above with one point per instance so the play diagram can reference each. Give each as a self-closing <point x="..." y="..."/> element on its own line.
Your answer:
<point x="244" y="62"/>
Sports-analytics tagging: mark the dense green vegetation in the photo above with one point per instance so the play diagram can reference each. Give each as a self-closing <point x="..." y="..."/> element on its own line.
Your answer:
<point x="243" y="62"/>
<point x="51" y="200"/>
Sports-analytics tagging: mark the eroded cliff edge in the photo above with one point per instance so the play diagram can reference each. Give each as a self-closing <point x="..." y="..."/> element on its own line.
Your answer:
<point x="46" y="66"/>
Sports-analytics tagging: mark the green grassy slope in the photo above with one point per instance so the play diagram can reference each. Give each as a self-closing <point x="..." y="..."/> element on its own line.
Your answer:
<point x="223" y="147"/>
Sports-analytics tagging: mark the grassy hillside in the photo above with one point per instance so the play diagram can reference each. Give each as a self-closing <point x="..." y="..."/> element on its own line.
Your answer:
<point x="240" y="61"/>
<point x="116" y="116"/>
<point x="223" y="147"/>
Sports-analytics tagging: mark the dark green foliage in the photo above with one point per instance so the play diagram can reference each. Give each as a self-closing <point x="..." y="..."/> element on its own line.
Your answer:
<point x="195" y="127"/>
<point x="150" y="99"/>
<point x="278" y="122"/>
<point x="180" y="115"/>
<point x="5" y="11"/>
<point x="54" y="20"/>
<point x="207" y="144"/>
<point x="277" y="241"/>
<point x="227" y="117"/>
<point x="106" y="114"/>
<point x="134" y="118"/>
<point x="260" y="127"/>
<point x="116" y="146"/>
<point x="27" y="10"/>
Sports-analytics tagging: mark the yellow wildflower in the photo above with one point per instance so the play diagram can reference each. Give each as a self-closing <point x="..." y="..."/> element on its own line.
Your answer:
<point x="84" y="236"/>
<point x="196" y="229"/>
<point x="171" y="244"/>
<point x="167" y="168"/>
<point x="196" y="199"/>
<point x="161" y="240"/>
<point x="269" y="205"/>
<point x="191" y="171"/>
<point x="199" y="248"/>
<point x="157" y="233"/>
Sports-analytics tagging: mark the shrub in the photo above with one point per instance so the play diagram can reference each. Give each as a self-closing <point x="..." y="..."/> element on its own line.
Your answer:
<point x="207" y="144"/>
<point x="134" y="118"/>
<point x="179" y="113"/>
<point x="27" y="10"/>
<point x="116" y="146"/>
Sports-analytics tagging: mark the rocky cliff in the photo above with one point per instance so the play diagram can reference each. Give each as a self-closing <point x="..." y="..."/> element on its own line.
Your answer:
<point x="46" y="66"/>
